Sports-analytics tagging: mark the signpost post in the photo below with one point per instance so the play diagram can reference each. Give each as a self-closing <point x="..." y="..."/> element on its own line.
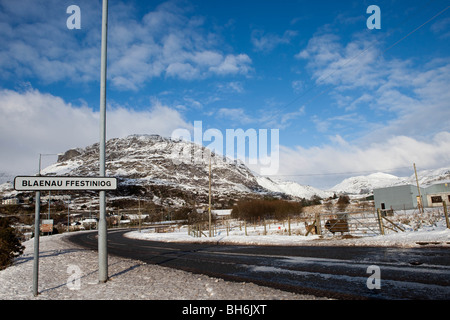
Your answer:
<point x="37" y="212"/>
<point x="43" y="183"/>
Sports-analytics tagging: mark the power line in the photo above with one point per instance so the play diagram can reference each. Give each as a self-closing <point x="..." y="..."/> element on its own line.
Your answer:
<point x="362" y="52"/>
<point x="431" y="19"/>
<point x="335" y="173"/>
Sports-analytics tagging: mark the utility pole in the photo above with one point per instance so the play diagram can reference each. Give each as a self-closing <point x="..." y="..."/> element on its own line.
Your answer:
<point x="102" y="227"/>
<point x="49" y="194"/>
<point x="139" y="204"/>
<point x="418" y="190"/>
<point x="446" y="214"/>
<point x="68" y="215"/>
<point x="37" y="230"/>
<point x="209" y="209"/>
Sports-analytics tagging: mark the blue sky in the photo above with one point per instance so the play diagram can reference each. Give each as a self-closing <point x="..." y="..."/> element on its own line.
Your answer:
<point x="347" y="100"/>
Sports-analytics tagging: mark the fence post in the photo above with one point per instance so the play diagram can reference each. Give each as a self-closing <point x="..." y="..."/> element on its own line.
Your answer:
<point x="380" y="221"/>
<point x="318" y="226"/>
<point x="289" y="224"/>
<point x="446" y="214"/>
<point x="245" y="226"/>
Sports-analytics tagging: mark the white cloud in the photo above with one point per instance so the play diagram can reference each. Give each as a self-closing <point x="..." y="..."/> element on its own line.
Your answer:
<point x="207" y="58"/>
<point x="393" y="97"/>
<point x="298" y="86"/>
<point x="355" y="65"/>
<point x="171" y="43"/>
<point x="352" y="120"/>
<point x="268" y="41"/>
<point x="33" y="122"/>
<point x="398" y="109"/>
<point x="419" y="100"/>
<point x="184" y="71"/>
<point x="441" y="27"/>
<point x="165" y="42"/>
<point x="235" y="114"/>
<point x="40" y="45"/>
<point x="233" y="64"/>
<point x="320" y="165"/>
<point x="287" y="117"/>
<point x="233" y="86"/>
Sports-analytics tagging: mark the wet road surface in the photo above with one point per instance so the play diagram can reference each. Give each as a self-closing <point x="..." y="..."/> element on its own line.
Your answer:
<point x="335" y="272"/>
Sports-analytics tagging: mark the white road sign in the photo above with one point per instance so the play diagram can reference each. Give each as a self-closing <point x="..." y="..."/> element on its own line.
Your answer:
<point x="40" y="183"/>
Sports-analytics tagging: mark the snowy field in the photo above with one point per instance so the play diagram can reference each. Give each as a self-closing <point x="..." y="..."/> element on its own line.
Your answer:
<point x="434" y="233"/>
<point x="437" y="236"/>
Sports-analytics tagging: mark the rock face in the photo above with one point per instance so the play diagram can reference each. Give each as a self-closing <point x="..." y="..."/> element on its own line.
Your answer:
<point x="69" y="154"/>
<point x="160" y="167"/>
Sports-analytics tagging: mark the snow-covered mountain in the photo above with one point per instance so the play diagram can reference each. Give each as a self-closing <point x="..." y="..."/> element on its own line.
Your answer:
<point x="428" y="177"/>
<point x="155" y="165"/>
<point x="366" y="184"/>
<point x="292" y="188"/>
<point x="163" y="167"/>
<point x="5" y="177"/>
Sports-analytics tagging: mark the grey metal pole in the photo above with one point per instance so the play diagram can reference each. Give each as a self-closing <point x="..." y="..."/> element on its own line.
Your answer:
<point x="36" y="243"/>
<point x="209" y="207"/>
<point x="49" y="195"/>
<point x="37" y="213"/>
<point x="68" y="215"/>
<point x="102" y="227"/>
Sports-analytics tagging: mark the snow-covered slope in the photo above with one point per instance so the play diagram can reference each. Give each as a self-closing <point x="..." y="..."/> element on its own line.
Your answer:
<point x="366" y="184"/>
<point x="428" y="177"/>
<point x="6" y="177"/>
<point x="151" y="160"/>
<point x="292" y="188"/>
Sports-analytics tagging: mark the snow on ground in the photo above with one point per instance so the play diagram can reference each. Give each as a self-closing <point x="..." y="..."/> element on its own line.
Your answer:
<point x="131" y="279"/>
<point x="436" y="234"/>
<point x="68" y="272"/>
<point x="292" y="188"/>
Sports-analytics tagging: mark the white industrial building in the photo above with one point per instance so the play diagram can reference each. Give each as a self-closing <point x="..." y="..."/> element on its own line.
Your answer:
<point x="406" y="197"/>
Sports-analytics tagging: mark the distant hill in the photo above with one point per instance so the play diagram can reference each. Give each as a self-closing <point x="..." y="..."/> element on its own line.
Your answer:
<point x="366" y="184"/>
<point x="154" y="165"/>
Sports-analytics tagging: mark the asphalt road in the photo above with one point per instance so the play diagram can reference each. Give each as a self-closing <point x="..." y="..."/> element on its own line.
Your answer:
<point x="335" y="272"/>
